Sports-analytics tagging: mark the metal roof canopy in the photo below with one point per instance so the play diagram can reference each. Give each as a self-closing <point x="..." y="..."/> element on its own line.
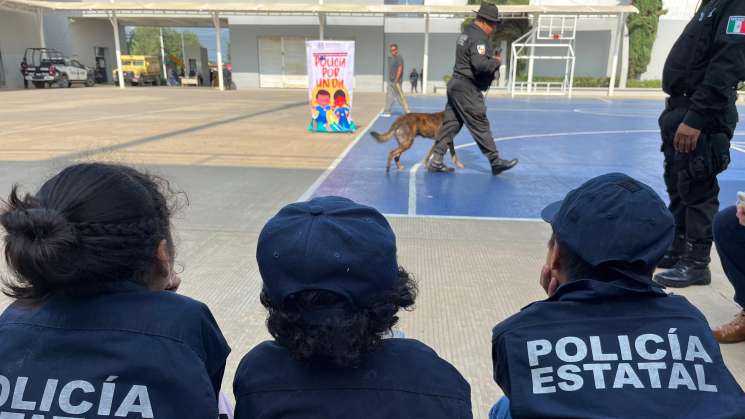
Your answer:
<point x="169" y="21"/>
<point x="234" y="8"/>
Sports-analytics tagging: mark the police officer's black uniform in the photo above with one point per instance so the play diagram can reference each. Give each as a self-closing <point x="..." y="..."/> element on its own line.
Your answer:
<point x="473" y="73"/>
<point x="700" y="75"/>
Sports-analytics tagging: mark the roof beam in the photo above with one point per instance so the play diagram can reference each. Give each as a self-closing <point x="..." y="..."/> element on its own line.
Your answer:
<point x="121" y="7"/>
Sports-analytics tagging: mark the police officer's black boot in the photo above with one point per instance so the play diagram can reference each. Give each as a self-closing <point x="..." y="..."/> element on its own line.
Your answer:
<point x="437" y="165"/>
<point x="675" y="252"/>
<point x="500" y="165"/>
<point x="691" y="269"/>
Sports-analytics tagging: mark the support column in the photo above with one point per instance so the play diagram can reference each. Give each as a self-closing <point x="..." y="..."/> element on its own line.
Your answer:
<point x="163" y="56"/>
<point x="216" y="21"/>
<point x="531" y="60"/>
<point x="624" y="78"/>
<point x="40" y="21"/>
<point x="425" y="60"/>
<point x="321" y="23"/>
<point x="118" y="46"/>
<point x="615" y="47"/>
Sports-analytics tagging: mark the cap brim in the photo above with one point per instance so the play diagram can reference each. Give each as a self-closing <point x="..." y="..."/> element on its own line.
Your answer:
<point x="549" y="213"/>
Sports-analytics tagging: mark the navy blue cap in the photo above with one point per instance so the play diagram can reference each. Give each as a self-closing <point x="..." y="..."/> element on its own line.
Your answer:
<point x="328" y="243"/>
<point x="613" y="218"/>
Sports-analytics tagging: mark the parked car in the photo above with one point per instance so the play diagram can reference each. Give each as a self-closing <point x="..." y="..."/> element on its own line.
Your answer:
<point x="48" y="67"/>
<point x="139" y="70"/>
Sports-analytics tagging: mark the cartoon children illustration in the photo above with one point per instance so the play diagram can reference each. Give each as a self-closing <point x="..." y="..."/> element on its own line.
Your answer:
<point x="341" y="110"/>
<point x="320" y="112"/>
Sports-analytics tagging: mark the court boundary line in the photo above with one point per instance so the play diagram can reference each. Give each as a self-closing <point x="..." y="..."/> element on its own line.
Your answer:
<point x="465" y="218"/>
<point x="326" y="173"/>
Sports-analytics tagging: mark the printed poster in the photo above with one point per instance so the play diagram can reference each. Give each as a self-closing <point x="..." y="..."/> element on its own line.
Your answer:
<point x="330" y="80"/>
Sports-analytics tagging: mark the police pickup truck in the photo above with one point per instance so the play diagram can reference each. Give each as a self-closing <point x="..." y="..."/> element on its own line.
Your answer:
<point x="48" y="67"/>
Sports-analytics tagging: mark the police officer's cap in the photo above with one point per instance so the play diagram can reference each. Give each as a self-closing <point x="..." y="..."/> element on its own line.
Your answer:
<point x="613" y="218"/>
<point x="489" y="12"/>
<point x="328" y="243"/>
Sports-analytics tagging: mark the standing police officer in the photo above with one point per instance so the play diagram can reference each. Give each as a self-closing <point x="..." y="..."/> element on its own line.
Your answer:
<point x="475" y="66"/>
<point x="701" y="76"/>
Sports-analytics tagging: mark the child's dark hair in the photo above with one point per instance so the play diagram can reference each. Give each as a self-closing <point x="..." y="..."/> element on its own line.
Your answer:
<point x="88" y="228"/>
<point x="339" y="93"/>
<point x="341" y="340"/>
<point x="323" y="92"/>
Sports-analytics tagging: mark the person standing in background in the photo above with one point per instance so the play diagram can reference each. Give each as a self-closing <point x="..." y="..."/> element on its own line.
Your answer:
<point x="414" y="80"/>
<point x="395" y="76"/>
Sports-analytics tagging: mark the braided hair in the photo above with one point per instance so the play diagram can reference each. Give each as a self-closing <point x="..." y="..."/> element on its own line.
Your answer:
<point x="88" y="228"/>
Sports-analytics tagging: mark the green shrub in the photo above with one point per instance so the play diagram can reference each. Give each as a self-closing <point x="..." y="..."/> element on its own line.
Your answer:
<point x="642" y="33"/>
<point x="581" y="81"/>
<point x="644" y="84"/>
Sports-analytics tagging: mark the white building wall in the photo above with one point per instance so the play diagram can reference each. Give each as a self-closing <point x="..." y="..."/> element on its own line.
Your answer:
<point x="679" y="13"/>
<point x="18" y="31"/>
<point x="368" y="46"/>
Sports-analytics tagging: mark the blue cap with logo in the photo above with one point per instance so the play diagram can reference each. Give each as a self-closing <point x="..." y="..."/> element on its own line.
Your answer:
<point x="613" y="218"/>
<point x="328" y="243"/>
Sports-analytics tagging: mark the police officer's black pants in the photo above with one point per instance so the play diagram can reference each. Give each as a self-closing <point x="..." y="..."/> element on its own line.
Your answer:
<point x="466" y="106"/>
<point x="691" y="178"/>
<point x="729" y="237"/>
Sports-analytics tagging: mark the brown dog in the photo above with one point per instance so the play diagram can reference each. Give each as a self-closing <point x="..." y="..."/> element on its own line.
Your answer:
<point x="405" y="128"/>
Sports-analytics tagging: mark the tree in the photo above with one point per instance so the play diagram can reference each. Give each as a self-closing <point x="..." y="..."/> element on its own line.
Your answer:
<point x="642" y="34"/>
<point x="146" y="41"/>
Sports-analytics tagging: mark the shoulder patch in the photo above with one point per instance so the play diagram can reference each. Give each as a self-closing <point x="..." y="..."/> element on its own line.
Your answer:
<point x="462" y="39"/>
<point x="481" y="48"/>
<point x="736" y="25"/>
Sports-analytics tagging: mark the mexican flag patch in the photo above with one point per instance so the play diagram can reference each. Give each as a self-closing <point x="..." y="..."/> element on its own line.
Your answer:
<point x="736" y="25"/>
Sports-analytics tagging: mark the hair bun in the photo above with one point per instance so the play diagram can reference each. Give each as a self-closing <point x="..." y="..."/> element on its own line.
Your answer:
<point x="38" y="225"/>
<point x="41" y="238"/>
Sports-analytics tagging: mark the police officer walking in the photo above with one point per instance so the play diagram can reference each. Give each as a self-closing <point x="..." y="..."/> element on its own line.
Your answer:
<point x="475" y="66"/>
<point x="701" y="76"/>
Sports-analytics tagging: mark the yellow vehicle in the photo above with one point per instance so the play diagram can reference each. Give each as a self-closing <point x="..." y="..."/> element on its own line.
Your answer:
<point x="140" y="70"/>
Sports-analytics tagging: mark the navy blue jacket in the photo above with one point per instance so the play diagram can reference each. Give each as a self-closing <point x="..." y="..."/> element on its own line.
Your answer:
<point x="129" y="354"/>
<point x="707" y="62"/>
<point x="474" y="57"/>
<point x="613" y="350"/>
<point x="404" y="379"/>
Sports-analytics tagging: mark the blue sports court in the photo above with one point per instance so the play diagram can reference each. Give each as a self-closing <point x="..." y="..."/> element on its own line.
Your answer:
<point x="560" y="144"/>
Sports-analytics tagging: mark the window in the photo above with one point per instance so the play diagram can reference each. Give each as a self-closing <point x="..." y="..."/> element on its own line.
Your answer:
<point x="138" y="63"/>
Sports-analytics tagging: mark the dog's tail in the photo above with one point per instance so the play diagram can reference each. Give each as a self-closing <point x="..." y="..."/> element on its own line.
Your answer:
<point x="386" y="136"/>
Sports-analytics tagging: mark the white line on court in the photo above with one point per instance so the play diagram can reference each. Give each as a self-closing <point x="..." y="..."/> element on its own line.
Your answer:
<point x="307" y="194"/>
<point x="616" y="114"/>
<point x="465" y="217"/>
<point x="412" y="185"/>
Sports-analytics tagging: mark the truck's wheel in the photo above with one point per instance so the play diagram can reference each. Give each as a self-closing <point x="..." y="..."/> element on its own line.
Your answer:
<point x="90" y="82"/>
<point x="40" y="84"/>
<point x="63" y="81"/>
<point x="156" y="82"/>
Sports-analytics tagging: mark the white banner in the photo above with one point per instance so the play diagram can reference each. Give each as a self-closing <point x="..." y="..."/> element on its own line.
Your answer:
<point x="330" y="81"/>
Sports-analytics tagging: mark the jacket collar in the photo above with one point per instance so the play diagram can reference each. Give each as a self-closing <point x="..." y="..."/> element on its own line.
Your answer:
<point x="591" y="289"/>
